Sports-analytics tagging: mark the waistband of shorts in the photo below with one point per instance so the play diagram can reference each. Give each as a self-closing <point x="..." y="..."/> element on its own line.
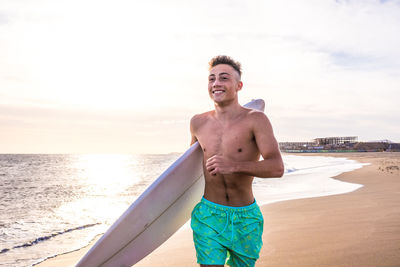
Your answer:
<point x="224" y="208"/>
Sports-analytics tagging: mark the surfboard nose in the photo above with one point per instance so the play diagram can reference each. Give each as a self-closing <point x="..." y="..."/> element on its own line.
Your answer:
<point x="257" y="104"/>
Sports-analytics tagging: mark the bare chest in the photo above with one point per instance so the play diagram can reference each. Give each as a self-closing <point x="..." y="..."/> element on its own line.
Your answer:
<point x="235" y="140"/>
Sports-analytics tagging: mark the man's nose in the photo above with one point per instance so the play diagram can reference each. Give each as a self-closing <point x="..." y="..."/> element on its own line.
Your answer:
<point x="216" y="83"/>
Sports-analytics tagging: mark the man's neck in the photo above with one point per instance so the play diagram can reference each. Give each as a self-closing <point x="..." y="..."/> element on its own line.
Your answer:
<point x="227" y="111"/>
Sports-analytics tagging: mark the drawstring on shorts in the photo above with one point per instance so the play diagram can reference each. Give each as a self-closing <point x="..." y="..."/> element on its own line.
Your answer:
<point x="230" y="214"/>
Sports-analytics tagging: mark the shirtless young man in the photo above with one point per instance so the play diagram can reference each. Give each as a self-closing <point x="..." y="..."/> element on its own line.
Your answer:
<point x="228" y="222"/>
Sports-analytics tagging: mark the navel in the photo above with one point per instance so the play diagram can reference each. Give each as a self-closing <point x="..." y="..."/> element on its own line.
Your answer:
<point x="204" y="149"/>
<point x="239" y="150"/>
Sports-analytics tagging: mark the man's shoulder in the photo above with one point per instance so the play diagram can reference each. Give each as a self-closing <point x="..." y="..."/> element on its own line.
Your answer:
<point x="254" y="115"/>
<point x="256" y="119"/>
<point x="199" y="119"/>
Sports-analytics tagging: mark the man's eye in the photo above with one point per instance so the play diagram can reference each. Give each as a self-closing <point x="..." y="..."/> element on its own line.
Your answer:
<point x="211" y="79"/>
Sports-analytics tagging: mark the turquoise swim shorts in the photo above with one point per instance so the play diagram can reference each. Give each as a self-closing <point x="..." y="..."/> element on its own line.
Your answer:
<point x="221" y="232"/>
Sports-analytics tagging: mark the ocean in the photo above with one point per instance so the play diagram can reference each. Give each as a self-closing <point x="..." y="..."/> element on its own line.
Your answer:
<point x="54" y="204"/>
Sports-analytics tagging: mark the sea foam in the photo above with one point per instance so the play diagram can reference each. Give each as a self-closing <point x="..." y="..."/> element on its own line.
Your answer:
<point x="305" y="177"/>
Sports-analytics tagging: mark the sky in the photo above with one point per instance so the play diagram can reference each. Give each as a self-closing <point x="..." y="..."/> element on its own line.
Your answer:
<point x="126" y="76"/>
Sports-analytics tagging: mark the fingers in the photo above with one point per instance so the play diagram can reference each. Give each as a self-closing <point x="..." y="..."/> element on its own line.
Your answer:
<point x="212" y="161"/>
<point x="212" y="164"/>
<point x="219" y="164"/>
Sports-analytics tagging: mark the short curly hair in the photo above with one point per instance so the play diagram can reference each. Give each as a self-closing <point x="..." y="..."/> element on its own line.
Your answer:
<point x="226" y="60"/>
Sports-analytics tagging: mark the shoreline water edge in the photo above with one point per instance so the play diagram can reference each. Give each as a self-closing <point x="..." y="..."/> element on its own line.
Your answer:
<point x="305" y="177"/>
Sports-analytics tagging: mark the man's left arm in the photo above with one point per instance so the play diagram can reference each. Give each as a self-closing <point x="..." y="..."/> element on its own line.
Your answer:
<point x="269" y="167"/>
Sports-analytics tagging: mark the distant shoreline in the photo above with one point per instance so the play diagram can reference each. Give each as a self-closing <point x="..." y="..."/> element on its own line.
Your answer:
<point x="290" y="151"/>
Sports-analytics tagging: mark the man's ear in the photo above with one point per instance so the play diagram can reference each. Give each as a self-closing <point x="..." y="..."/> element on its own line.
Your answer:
<point x="240" y="85"/>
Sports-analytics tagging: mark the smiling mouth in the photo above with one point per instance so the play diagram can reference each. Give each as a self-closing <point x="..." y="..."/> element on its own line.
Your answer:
<point x="218" y="91"/>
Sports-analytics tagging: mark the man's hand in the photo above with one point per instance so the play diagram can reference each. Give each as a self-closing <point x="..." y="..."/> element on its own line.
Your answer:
<point x="219" y="164"/>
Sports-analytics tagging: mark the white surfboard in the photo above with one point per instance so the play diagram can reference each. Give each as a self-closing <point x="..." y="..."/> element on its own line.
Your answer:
<point x="157" y="214"/>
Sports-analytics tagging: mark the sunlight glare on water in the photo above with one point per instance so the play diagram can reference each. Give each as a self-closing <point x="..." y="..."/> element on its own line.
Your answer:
<point x="106" y="178"/>
<point x="109" y="174"/>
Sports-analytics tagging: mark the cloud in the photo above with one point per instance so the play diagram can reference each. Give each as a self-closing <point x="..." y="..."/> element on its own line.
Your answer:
<point x="129" y="67"/>
<point x="356" y="28"/>
<point x="355" y="61"/>
<point x="4" y="18"/>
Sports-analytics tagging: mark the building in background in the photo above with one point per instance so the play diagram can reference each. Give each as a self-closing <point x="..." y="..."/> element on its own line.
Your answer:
<point x="336" y="140"/>
<point x="338" y="144"/>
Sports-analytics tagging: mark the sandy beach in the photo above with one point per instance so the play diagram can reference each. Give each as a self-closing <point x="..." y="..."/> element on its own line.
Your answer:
<point x="361" y="228"/>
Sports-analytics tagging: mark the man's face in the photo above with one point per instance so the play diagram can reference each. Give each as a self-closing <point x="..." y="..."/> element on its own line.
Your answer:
<point x="223" y="83"/>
